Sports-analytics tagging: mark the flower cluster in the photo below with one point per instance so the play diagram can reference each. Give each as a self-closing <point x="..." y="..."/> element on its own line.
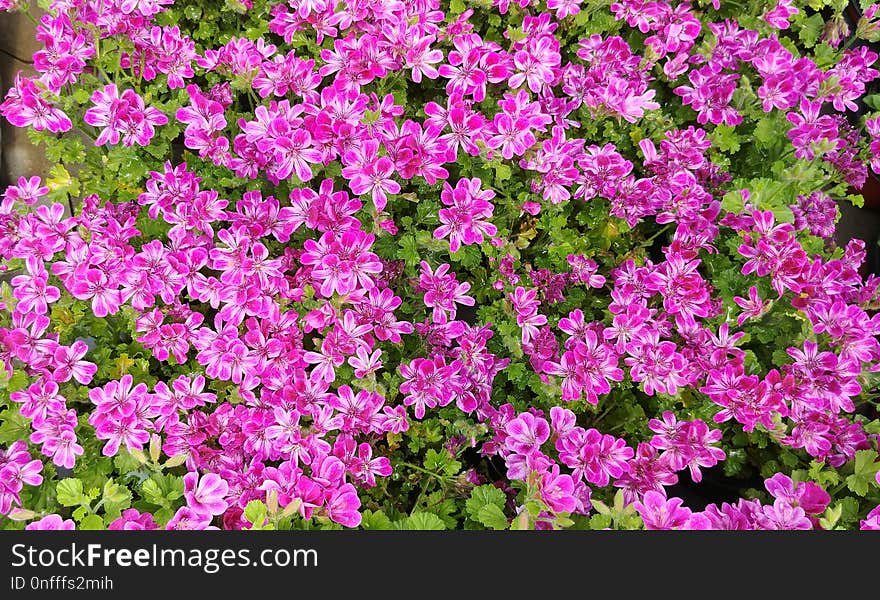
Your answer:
<point x="384" y="263"/>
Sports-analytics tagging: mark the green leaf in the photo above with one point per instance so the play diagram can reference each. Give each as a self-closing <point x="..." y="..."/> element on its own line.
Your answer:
<point x="725" y="139"/>
<point x="865" y="471"/>
<point x="61" y="183"/>
<point x="116" y="497"/>
<point x="421" y="521"/>
<point x="256" y="512"/>
<point x="13" y="426"/>
<point x="375" y="520"/>
<point x="481" y="497"/>
<point x="70" y="492"/>
<point x="767" y="131"/>
<point x="493" y="517"/>
<point x="162" y="489"/>
<point x="600" y="521"/>
<point x="441" y="462"/>
<point x="113" y="492"/>
<point x="409" y="250"/>
<point x="192" y="12"/>
<point x="811" y="29"/>
<point x="502" y="173"/>
<point x="92" y="523"/>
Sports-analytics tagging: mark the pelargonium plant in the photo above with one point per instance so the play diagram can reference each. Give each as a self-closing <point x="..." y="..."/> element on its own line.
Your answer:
<point x="411" y="264"/>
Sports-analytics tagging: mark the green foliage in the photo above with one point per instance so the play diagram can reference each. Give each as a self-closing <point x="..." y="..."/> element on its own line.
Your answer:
<point x="437" y="460"/>
<point x="865" y="470"/>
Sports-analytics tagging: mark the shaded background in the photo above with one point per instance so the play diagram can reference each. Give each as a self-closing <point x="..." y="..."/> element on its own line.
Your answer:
<point x="17" y="44"/>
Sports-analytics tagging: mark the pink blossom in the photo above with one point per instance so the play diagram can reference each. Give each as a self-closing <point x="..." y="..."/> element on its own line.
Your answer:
<point x="205" y="495"/>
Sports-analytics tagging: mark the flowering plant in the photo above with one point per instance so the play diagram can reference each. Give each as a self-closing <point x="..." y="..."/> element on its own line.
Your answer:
<point x="431" y="265"/>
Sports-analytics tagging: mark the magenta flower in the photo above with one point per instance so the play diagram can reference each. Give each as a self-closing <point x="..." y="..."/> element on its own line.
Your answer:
<point x="52" y="523"/>
<point x="778" y="16"/>
<point x="343" y="504"/>
<point x="95" y="284"/>
<point x="467" y="219"/>
<point x="752" y="307"/>
<point x="205" y="495"/>
<point x="371" y="174"/>
<point x="69" y="363"/>
<point x="24" y="106"/>
<point x="123" y="115"/>
<point x="133" y="520"/>
<point x="33" y="292"/>
<point x="526" y="433"/>
<point x="557" y="491"/>
<point x="526" y="304"/>
<point x="659" y="513"/>
<point x="443" y="292"/>
<point x="28" y="191"/>
<point x="187" y="519"/>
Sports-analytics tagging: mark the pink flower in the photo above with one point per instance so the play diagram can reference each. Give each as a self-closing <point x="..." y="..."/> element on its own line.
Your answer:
<point x="372" y="175"/>
<point x="526" y="433"/>
<point x="467" y="219"/>
<point x="443" y="291"/>
<point x="343" y="504"/>
<point x="69" y="363"/>
<point x="205" y="495"/>
<point x="52" y="523"/>
<point x="526" y="304"/>
<point x="186" y="519"/>
<point x="133" y="520"/>
<point x="94" y="284"/>
<point x="123" y="115"/>
<point x="778" y="16"/>
<point x="557" y="491"/>
<point x="659" y="513"/>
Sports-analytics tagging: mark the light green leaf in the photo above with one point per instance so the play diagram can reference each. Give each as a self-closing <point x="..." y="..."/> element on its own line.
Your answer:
<point x="70" y="492"/>
<point x="811" y="29"/>
<point x="865" y="472"/>
<point x="493" y="517"/>
<point x="256" y="512"/>
<point x="92" y="523"/>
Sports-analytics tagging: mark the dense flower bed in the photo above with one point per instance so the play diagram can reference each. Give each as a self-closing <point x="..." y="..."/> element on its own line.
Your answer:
<point x="423" y="265"/>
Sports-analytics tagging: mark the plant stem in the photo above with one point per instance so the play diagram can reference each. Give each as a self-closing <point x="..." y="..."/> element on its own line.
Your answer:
<point x="423" y="470"/>
<point x="31" y="17"/>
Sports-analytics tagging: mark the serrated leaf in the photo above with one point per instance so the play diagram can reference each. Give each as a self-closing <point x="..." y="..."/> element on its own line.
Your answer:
<point x="600" y="521"/>
<point x="409" y="250"/>
<point x="13" y="426"/>
<point x="483" y="496"/>
<point x="256" y="512"/>
<point x="375" y="520"/>
<point x="421" y="521"/>
<point x="811" y="29"/>
<point x="864" y="472"/>
<point x="441" y="462"/>
<point x="492" y="517"/>
<point x="92" y="523"/>
<point x="767" y="131"/>
<point x="724" y="137"/>
<point x="115" y="494"/>
<point x="69" y="492"/>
